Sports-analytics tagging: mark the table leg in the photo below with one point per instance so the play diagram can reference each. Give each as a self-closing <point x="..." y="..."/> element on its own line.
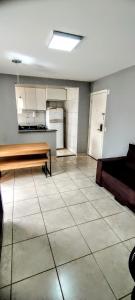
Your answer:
<point x="50" y="162"/>
<point x="46" y="169"/>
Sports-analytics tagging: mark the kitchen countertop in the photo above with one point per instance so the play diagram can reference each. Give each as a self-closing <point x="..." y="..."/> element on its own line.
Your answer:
<point x="37" y="130"/>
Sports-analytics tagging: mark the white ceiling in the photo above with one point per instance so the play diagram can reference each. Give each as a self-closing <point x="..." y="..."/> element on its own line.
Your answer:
<point x="108" y="27"/>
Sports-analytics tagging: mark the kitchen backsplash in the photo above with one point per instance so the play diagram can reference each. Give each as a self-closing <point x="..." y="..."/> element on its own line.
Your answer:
<point x="32" y="118"/>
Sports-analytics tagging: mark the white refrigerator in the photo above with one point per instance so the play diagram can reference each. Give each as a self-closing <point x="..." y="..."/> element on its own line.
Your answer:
<point x="55" y="120"/>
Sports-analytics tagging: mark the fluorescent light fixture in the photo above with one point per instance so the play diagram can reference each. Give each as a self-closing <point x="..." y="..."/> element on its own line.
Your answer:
<point x="64" y="41"/>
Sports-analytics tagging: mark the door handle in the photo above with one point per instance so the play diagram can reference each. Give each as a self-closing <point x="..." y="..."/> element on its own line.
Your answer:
<point x="100" y="128"/>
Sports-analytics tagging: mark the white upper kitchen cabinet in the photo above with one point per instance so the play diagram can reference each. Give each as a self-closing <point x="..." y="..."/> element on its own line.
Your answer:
<point x="72" y="94"/>
<point x="41" y="98"/>
<point x="30" y="98"/>
<point x="20" y="93"/>
<point x="56" y="94"/>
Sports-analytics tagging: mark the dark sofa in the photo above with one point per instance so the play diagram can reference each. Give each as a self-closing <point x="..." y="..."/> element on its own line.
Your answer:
<point x="131" y="264"/>
<point x="118" y="176"/>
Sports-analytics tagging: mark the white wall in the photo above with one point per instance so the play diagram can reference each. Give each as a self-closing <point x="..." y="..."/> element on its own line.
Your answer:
<point x="120" y="114"/>
<point x="71" y="106"/>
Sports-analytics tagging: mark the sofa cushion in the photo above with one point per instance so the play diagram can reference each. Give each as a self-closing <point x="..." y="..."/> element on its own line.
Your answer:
<point x="127" y="177"/>
<point x="130" y="161"/>
<point x="123" y="193"/>
<point x="122" y="173"/>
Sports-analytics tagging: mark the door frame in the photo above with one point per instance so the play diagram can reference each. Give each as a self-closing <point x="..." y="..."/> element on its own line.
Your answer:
<point x="107" y="92"/>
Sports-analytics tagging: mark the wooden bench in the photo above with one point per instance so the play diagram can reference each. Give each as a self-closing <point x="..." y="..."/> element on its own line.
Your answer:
<point x="19" y="156"/>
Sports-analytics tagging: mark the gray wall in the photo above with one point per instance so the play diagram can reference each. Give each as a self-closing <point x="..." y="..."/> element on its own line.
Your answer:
<point x="120" y="117"/>
<point x="83" y="117"/>
<point x="8" y="114"/>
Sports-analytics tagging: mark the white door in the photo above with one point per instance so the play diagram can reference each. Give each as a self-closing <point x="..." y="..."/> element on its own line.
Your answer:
<point x="97" y="123"/>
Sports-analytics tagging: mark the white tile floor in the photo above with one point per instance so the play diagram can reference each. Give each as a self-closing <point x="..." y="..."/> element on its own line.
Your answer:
<point x="64" y="236"/>
<point x="64" y="152"/>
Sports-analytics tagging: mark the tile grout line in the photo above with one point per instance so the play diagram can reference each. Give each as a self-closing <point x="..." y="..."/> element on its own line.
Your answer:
<point x="101" y="217"/>
<point x="73" y="226"/>
<point x="44" y="234"/>
<point x="108" y="224"/>
<point x="12" y="239"/>
<point x="31" y="238"/>
<point x="50" y="247"/>
<point x="12" y="243"/>
<point x="113" y="229"/>
<point x="104" y="277"/>
<point x="27" y="215"/>
<point x="66" y="206"/>
<point x="49" y="210"/>
<point x="84" y="223"/>
<point x="91" y="253"/>
<point x="123" y="297"/>
<point x="82" y="236"/>
<point x="120" y="242"/>
<point x="87" y="200"/>
<point x="73" y="204"/>
<point x="95" y="260"/>
<point x="31" y="276"/>
<point x="22" y="200"/>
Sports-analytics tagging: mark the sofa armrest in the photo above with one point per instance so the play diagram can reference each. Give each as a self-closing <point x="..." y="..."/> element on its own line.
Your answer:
<point x="102" y="163"/>
<point x="99" y="172"/>
<point x="120" y="158"/>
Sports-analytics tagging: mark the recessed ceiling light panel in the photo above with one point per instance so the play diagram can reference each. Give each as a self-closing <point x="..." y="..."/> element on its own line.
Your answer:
<point x="64" y="41"/>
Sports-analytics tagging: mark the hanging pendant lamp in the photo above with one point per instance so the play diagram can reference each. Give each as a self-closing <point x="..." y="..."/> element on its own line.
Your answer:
<point x="20" y="99"/>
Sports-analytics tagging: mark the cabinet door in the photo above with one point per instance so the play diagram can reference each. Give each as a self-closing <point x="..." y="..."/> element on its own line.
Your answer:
<point x="72" y="93"/>
<point x="20" y="92"/>
<point x="30" y="98"/>
<point x="56" y="94"/>
<point x="41" y="98"/>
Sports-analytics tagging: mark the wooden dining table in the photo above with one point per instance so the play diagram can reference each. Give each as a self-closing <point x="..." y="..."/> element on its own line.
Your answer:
<point x="16" y="156"/>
